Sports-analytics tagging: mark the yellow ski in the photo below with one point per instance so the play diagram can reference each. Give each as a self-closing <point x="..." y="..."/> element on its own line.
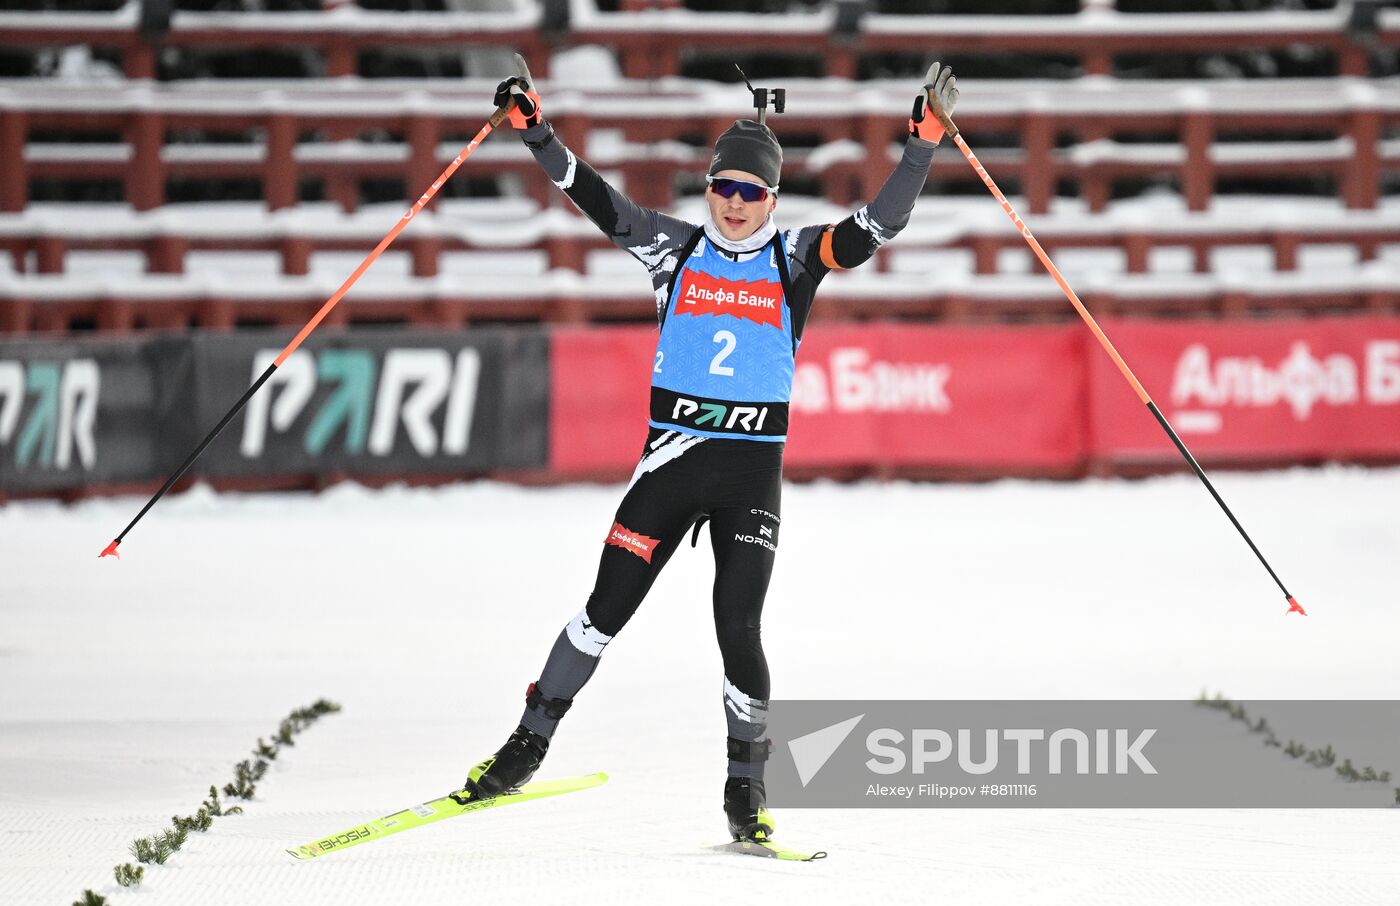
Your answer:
<point x="449" y="806"/>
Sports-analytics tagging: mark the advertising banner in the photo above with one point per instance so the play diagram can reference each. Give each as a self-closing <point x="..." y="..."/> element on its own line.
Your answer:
<point x="863" y="395"/>
<point x="574" y="401"/>
<point x="376" y="402"/>
<point x="366" y="402"/>
<point x="904" y="395"/>
<point x="1280" y="391"/>
<point x="81" y="412"/>
<point x="600" y="382"/>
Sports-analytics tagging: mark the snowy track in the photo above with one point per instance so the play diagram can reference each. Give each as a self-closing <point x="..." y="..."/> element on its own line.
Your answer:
<point x="127" y="688"/>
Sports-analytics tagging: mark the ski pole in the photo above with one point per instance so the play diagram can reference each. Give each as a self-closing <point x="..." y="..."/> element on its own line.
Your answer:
<point x="496" y="119"/>
<point x="1127" y="373"/>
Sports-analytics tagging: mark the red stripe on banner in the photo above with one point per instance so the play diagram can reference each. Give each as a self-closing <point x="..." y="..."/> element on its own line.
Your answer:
<point x="891" y="394"/>
<point x="863" y="395"/>
<point x="1027" y="400"/>
<point x="600" y="391"/>
<point x="1274" y="391"/>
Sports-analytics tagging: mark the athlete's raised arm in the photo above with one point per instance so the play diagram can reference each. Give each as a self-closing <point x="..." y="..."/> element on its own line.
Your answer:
<point x="647" y="234"/>
<point x="854" y="240"/>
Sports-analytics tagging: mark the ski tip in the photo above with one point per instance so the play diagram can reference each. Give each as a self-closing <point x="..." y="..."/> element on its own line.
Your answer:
<point x="110" y="551"/>
<point x="1294" y="607"/>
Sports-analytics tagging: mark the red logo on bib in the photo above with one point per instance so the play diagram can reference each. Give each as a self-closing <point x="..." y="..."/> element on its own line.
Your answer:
<point x="628" y="540"/>
<point x="756" y="300"/>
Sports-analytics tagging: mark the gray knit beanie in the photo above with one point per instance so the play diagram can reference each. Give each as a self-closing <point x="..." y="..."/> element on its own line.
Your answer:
<point x="751" y="147"/>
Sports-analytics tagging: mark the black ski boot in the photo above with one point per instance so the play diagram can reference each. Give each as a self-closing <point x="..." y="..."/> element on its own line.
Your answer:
<point x="518" y="760"/>
<point x="513" y="764"/>
<point x="744" y="806"/>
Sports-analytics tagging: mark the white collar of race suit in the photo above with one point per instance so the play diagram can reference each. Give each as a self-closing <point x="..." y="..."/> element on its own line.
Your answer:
<point x="761" y="237"/>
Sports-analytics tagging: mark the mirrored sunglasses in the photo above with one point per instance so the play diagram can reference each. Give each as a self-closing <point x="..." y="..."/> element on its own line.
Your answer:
<point x="748" y="191"/>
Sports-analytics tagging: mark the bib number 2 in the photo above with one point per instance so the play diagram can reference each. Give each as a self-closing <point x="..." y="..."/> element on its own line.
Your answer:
<point x="728" y="341"/>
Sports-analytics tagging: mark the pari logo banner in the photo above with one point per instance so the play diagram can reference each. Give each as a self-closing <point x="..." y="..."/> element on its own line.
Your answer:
<point x="87" y="412"/>
<point x="48" y="414"/>
<point x="430" y="393"/>
<point x="98" y="411"/>
<point x="1325" y="388"/>
<point x="1081" y="754"/>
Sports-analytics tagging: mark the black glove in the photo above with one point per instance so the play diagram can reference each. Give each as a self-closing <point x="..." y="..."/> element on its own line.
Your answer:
<point x="521" y="89"/>
<point x="940" y="89"/>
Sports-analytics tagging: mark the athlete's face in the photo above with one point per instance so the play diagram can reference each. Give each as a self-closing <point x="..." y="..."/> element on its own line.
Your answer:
<point x="738" y="219"/>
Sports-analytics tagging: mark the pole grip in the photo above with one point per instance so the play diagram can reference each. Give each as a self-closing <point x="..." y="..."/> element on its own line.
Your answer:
<point x="501" y="113"/>
<point x="948" y="125"/>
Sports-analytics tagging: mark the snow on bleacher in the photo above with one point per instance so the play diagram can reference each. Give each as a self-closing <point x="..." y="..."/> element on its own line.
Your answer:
<point x="502" y="264"/>
<point x="1088" y="132"/>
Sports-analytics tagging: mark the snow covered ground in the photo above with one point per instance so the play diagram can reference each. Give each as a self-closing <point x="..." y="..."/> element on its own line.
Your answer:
<point x="126" y="688"/>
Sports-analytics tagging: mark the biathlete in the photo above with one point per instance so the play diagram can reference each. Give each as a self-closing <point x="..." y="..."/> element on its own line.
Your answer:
<point x="732" y="297"/>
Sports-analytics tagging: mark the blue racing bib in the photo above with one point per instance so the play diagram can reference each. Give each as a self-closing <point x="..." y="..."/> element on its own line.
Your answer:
<point x="724" y="359"/>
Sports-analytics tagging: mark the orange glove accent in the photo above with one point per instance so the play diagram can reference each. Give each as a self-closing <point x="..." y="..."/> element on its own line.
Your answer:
<point x="923" y="124"/>
<point x="521" y="118"/>
<point x="526" y="112"/>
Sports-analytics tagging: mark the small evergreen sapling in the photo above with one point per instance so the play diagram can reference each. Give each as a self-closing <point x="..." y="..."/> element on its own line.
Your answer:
<point x="152" y="849"/>
<point x="129" y="875"/>
<point x="91" y="899"/>
<point x="174" y="839"/>
<point x="200" y="821"/>
<point x="242" y="786"/>
<point x="285" y="732"/>
<point x="1219" y="703"/>
<point x="216" y="808"/>
<point x="145" y="850"/>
